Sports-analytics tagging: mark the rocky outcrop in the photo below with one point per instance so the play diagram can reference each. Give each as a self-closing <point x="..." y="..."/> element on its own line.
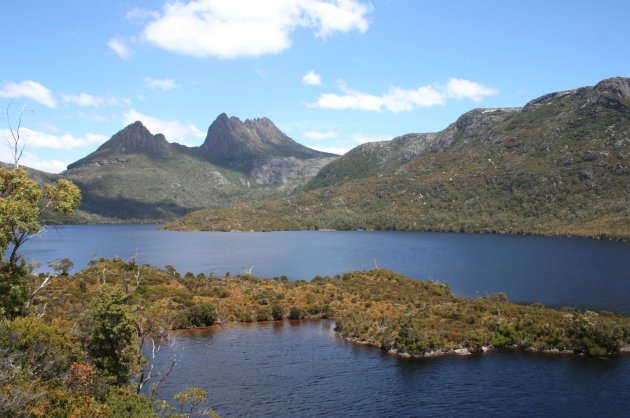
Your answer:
<point x="233" y="142"/>
<point x="287" y="172"/>
<point x="135" y="138"/>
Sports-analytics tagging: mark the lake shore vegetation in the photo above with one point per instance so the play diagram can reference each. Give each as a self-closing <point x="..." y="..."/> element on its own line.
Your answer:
<point x="80" y="343"/>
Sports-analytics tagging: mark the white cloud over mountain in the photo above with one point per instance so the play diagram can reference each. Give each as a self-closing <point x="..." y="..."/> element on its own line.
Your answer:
<point x="88" y="100"/>
<point x="37" y="139"/>
<point x="28" y="89"/>
<point x="173" y="130"/>
<point x="247" y="28"/>
<point x="402" y="100"/>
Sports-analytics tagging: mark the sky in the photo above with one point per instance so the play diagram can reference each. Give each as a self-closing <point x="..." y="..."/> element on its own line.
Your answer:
<point x="331" y="74"/>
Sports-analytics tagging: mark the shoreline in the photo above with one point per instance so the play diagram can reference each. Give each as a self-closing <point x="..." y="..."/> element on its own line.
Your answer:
<point x="457" y="352"/>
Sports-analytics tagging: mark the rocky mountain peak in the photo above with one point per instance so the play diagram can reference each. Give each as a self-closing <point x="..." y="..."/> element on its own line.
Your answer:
<point x="134" y="138"/>
<point x="231" y="140"/>
<point x="618" y="86"/>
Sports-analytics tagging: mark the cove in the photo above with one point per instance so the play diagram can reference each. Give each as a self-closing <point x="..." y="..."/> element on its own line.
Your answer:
<point x="302" y="369"/>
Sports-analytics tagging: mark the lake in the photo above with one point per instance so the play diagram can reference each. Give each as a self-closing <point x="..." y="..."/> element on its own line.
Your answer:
<point x="552" y="270"/>
<point x="302" y="369"/>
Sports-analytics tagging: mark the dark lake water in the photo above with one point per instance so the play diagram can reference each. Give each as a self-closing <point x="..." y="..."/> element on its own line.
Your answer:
<point x="551" y="270"/>
<point x="301" y="369"/>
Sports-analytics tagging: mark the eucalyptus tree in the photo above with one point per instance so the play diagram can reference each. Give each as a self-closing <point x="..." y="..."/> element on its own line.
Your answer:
<point x="22" y="200"/>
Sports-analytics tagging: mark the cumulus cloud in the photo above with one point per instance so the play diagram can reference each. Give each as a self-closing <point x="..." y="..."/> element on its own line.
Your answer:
<point x="173" y="130"/>
<point x="458" y="88"/>
<point x="162" y="84"/>
<point x="28" y="89"/>
<point x="88" y="100"/>
<point x="34" y="161"/>
<point x="94" y="117"/>
<point x="141" y="14"/>
<point x="319" y="136"/>
<point x="339" y="150"/>
<point x="37" y="139"/>
<point x="364" y="138"/>
<point x="249" y="28"/>
<point x="402" y="100"/>
<point x="120" y="48"/>
<point x="343" y="144"/>
<point x="312" y="79"/>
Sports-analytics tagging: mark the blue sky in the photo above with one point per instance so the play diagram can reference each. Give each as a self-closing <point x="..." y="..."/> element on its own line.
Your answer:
<point x="330" y="73"/>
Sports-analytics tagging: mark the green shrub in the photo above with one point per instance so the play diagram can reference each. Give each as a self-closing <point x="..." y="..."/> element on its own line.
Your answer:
<point x="277" y="312"/>
<point x="295" y="313"/>
<point x="201" y="315"/>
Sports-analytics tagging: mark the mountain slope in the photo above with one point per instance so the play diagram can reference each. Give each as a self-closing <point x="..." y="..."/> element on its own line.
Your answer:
<point x="559" y="165"/>
<point x="138" y="176"/>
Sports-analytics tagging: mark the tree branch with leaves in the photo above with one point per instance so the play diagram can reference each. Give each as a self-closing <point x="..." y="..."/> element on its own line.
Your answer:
<point x="22" y="201"/>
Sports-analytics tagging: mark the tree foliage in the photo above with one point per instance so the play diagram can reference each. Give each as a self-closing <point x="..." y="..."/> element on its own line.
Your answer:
<point x="21" y="203"/>
<point x="112" y="340"/>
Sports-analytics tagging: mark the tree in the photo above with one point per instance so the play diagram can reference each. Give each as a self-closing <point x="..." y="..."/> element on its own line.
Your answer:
<point x="61" y="267"/>
<point x="112" y="336"/>
<point x="15" y="142"/>
<point x="21" y="203"/>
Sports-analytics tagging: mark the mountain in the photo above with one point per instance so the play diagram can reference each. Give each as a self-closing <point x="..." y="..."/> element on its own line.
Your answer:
<point x="558" y="165"/>
<point x="139" y="176"/>
<point x="135" y="138"/>
<point x="232" y="142"/>
<point x="373" y="158"/>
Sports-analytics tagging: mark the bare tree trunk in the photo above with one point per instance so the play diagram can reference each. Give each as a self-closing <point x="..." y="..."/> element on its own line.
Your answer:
<point x="17" y="148"/>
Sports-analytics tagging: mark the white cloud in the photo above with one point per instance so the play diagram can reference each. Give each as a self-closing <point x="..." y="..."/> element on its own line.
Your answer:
<point x="463" y="89"/>
<point x="120" y="48"/>
<point x="249" y="28"/>
<point x="34" y="161"/>
<point x="94" y="117"/>
<point x="343" y="145"/>
<point x="402" y="100"/>
<point x="141" y="14"/>
<point x="173" y="130"/>
<point x="87" y="100"/>
<point x="336" y="16"/>
<point x="28" y="89"/>
<point x="37" y="139"/>
<point x="363" y="138"/>
<point x="163" y="84"/>
<point x="339" y="150"/>
<point x="312" y="79"/>
<point x="319" y="136"/>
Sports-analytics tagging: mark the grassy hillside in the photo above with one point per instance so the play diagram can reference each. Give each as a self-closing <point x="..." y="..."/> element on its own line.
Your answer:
<point x="559" y="165"/>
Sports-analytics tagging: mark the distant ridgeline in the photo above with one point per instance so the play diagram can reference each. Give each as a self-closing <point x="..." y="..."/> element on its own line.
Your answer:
<point x="558" y="165"/>
<point x="139" y="177"/>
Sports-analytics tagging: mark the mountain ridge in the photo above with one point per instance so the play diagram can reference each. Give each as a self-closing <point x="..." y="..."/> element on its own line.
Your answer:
<point x="139" y="176"/>
<point x="558" y="165"/>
